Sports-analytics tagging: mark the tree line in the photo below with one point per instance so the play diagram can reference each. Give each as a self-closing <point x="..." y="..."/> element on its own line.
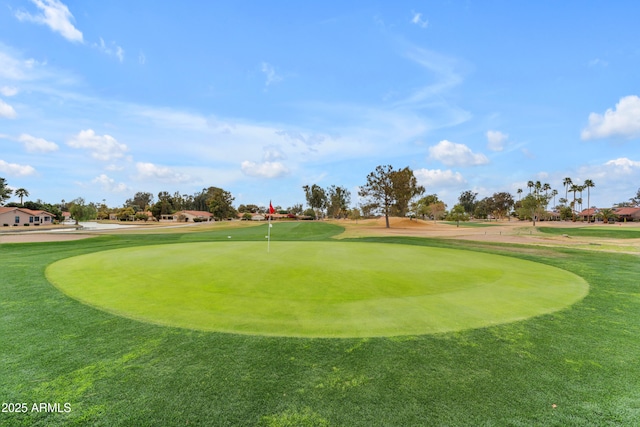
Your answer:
<point x="387" y="191"/>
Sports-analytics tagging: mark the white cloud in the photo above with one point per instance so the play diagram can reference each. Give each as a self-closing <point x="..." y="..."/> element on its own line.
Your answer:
<point x="149" y="171"/>
<point x="624" y="165"/>
<point x="417" y="19"/>
<point x="624" y="121"/>
<point x="265" y="169"/>
<point x="13" y="67"/>
<point x="15" y="169"/>
<point x="56" y="16"/>
<point x="270" y="72"/>
<point x="112" y="49"/>
<point x="453" y="154"/>
<point x="103" y="147"/>
<point x="7" y="110"/>
<point x="8" y="90"/>
<point x="598" y="62"/>
<point x="37" y="145"/>
<point x="109" y="184"/>
<point x="438" y="178"/>
<point x="496" y="140"/>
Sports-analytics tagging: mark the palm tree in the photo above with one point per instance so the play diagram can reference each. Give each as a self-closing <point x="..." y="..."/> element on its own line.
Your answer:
<point x="567" y="183"/>
<point x="554" y="193"/>
<point x="530" y="185"/>
<point x="519" y="193"/>
<point x="607" y="214"/>
<point x="21" y="192"/>
<point x="589" y="184"/>
<point x="574" y="189"/>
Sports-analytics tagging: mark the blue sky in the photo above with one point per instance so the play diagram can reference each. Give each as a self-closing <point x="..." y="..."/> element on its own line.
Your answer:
<point x="101" y="100"/>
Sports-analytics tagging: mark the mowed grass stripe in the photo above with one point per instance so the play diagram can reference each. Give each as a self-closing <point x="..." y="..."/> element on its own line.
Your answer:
<point x="315" y="289"/>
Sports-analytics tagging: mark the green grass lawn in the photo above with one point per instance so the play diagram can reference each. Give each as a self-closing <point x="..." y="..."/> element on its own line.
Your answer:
<point x="115" y="371"/>
<point x="602" y="231"/>
<point x="315" y="289"/>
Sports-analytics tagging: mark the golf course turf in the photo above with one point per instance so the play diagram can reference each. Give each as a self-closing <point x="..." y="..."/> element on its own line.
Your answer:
<point x="315" y="289"/>
<point x="574" y="367"/>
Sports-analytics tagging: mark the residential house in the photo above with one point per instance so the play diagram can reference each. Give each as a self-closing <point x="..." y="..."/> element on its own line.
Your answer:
<point x="13" y="216"/>
<point x="188" y="216"/>
<point x="588" y="214"/>
<point x="628" y="214"/>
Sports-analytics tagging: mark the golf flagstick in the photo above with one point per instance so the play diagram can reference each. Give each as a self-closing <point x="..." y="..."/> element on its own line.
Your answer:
<point x="271" y="211"/>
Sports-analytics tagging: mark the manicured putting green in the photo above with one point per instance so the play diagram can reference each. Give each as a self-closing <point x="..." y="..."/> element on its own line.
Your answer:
<point x="315" y="289"/>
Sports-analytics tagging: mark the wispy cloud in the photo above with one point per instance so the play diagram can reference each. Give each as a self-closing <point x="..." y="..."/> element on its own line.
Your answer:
<point x="418" y="20"/>
<point x="264" y="169"/>
<point x="597" y="62"/>
<point x="56" y="16"/>
<point x="446" y="71"/>
<point x="7" y="111"/>
<point x="110" y="184"/>
<point x="270" y="73"/>
<point x="37" y="145"/>
<point x="496" y="140"/>
<point x="8" y="90"/>
<point x="111" y="49"/>
<point x="623" y="121"/>
<point x="453" y="154"/>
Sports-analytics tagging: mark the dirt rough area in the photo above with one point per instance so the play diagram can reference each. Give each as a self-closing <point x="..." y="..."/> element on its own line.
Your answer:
<point x="33" y="237"/>
<point x="517" y="232"/>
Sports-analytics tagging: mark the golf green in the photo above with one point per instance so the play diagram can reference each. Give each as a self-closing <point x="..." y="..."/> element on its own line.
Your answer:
<point x="315" y="289"/>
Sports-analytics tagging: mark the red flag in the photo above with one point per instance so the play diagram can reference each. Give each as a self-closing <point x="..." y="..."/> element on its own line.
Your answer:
<point x="271" y="210"/>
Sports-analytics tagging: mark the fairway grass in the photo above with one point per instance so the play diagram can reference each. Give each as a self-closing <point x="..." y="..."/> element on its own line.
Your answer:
<point x="315" y="289"/>
<point x="574" y="367"/>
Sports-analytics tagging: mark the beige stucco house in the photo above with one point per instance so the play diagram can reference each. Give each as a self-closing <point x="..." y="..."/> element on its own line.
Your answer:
<point x="13" y="216"/>
<point x="188" y="216"/>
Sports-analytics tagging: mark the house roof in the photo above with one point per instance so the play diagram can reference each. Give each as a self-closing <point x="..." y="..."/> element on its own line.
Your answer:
<point x="25" y="210"/>
<point x="627" y="211"/>
<point x="198" y="213"/>
<point x="590" y="211"/>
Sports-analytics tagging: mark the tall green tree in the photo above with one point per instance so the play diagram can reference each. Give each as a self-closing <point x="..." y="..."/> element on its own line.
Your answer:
<point x="589" y="184"/>
<point x="380" y="191"/>
<point x="634" y="200"/>
<point x="467" y="199"/>
<point x="5" y="191"/>
<point x="458" y="214"/>
<point x="338" y="199"/>
<point x="567" y="182"/>
<point x="22" y="193"/>
<point x="421" y="207"/>
<point x="533" y="206"/>
<point x="82" y="211"/>
<point x="140" y="201"/>
<point x="405" y="188"/>
<point x="502" y="204"/>
<point x="316" y="198"/>
<point x="220" y="203"/>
